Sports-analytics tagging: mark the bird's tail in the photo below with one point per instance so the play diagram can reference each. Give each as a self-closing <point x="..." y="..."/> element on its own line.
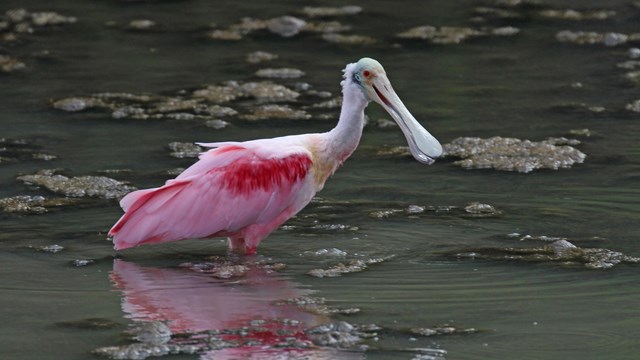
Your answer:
<point x="142" y="221"/>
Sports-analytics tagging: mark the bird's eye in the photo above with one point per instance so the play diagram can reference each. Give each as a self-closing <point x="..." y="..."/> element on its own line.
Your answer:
<point x="366" y="73"/>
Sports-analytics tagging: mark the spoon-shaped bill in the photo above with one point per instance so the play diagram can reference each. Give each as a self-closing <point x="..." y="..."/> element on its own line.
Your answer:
<point x="423" y="146"/>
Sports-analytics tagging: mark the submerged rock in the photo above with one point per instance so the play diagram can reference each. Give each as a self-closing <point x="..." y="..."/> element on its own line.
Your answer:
<point x="282" y="73"/>
<point x="27" y="204"/>
<point x="268" y="91"/>
<point x="341" y="269"/>
<point x="260" y="56"/>
<point x="48" y="18"/>
<point x="220" y="93"/>
<point x="584" y="37"/>
<point x="633" y="76"/>
<point x="225" y="34"/>
<point x="228" y="268"/>
<point x="325" y="27"/>
<point x="634" y="106"/>
<point x="89" y="324"/>
<point x="23" y="204"/>
<point x="9" y="64"/>
<point x="444" y="329"/>
<point x="145" y="106"/>
<point x="141" y="24"/>
<point x="570" y="14"/>
<point x="140" y="351"/>
<point x="313" y="12"/>
<point x="333" y="252"/>
<point x="81" y="186"/>
<point x="561" y="251"/>
<point x="629" y="65"/>
<point x="81" y="103"/>
<point x="16" y="150"/>
<point x="52" y="249"/>
<point x="580" y="132"/>
<point x="286" y="26"/>
<point x="334" y="103"/>
<point x="18" y="23"/>
<point x="216" y="124"/>
<point x="348" y="39"/>
<point x="339" y="334"/>
<point x="82" y="262"/>
<point x="453" y="34"/>
<point x="183" y="150"/>
<point x="272" y="111"/>
<point x="150" y="332"/>
<point x="510" y="154"/>
<point x="317" y="305"/>
<point x="484" y="12"/>
<point x="481" y="210"/>
<point x="471" y="210"/>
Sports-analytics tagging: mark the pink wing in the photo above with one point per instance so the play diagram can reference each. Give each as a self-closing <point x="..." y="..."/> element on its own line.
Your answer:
<point x="234" y="190"/>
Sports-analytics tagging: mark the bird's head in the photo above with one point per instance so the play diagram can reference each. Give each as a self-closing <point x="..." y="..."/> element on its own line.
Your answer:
<point x="370" y="76"/>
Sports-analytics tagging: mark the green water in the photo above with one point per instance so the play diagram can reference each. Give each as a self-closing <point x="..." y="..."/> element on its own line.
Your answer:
<point x="484" y="87"/>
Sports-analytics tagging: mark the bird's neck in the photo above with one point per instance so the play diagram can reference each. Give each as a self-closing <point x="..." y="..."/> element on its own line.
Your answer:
<point x="344" y="138"/>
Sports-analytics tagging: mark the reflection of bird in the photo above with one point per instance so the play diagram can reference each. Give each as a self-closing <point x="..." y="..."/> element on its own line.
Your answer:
<point x="245" y="190"/>
<point x="194" y="303"/>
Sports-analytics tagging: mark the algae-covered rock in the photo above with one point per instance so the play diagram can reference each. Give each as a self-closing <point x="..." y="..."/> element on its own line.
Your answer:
<point x="589" y="37"/>
<point x="341" y="268"/>
<point x="634" y="106"/>
<point x="257" y="57"/>
<point x="281" y="73"/>
<point x="570" y="14"/>
<point x="313" y="12"/>
<point x="285" y="26"/>
<point x="16" y="24"/>
<point x="146" y="106"/>
<point x="89" y="324"/>
<point x="183" y="150"/>
<point x="9" y="64"/>
<point x="27" y="204"/>
<point x="326" y="27"/>
<point x="471" y="210"/>
<point x="49" y="18"/>
<point x="317" y="305"/>
<point x="141" y="24"/>
<point x="559" y="251"/>
<point x="230" y="268"/>
<point x="225" y="34"/>
<point x="16" y="150"/>
<point x="477" y="209"/>
<point x="348" y="39"/>
<point x="443" y="329"/>
<point x="272" y="111"/>
<point x="80" y="186"/>
<point x="51" y="249"/>
<point x="453" y="34"/>
<point x="268" y="91"/>
<point x="510" y="154"/>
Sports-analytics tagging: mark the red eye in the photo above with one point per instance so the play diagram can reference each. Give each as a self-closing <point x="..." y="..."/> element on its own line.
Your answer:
<point x="366" y="73"/>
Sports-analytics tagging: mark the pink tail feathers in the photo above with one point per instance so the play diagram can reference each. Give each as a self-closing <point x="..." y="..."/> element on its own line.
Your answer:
<point x="142" y="223"/>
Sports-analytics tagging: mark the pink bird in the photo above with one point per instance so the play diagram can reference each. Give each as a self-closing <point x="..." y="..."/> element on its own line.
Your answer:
<point x="246" y="190"/>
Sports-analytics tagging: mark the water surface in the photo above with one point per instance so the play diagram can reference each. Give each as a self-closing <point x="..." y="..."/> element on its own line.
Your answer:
<point x="484" y="87"/>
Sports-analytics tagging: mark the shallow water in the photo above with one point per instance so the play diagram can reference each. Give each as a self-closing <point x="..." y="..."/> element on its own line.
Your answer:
<point x="513" y="87"/>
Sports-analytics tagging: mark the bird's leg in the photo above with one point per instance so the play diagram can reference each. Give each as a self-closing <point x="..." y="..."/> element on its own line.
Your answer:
<point x="236" y="244"/>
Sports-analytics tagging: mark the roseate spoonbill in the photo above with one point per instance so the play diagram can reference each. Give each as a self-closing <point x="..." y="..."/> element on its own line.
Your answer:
<point x="245" y="190"/>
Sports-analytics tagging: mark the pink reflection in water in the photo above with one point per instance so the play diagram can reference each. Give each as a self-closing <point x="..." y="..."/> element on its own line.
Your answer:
<point x="191" y="302"/>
